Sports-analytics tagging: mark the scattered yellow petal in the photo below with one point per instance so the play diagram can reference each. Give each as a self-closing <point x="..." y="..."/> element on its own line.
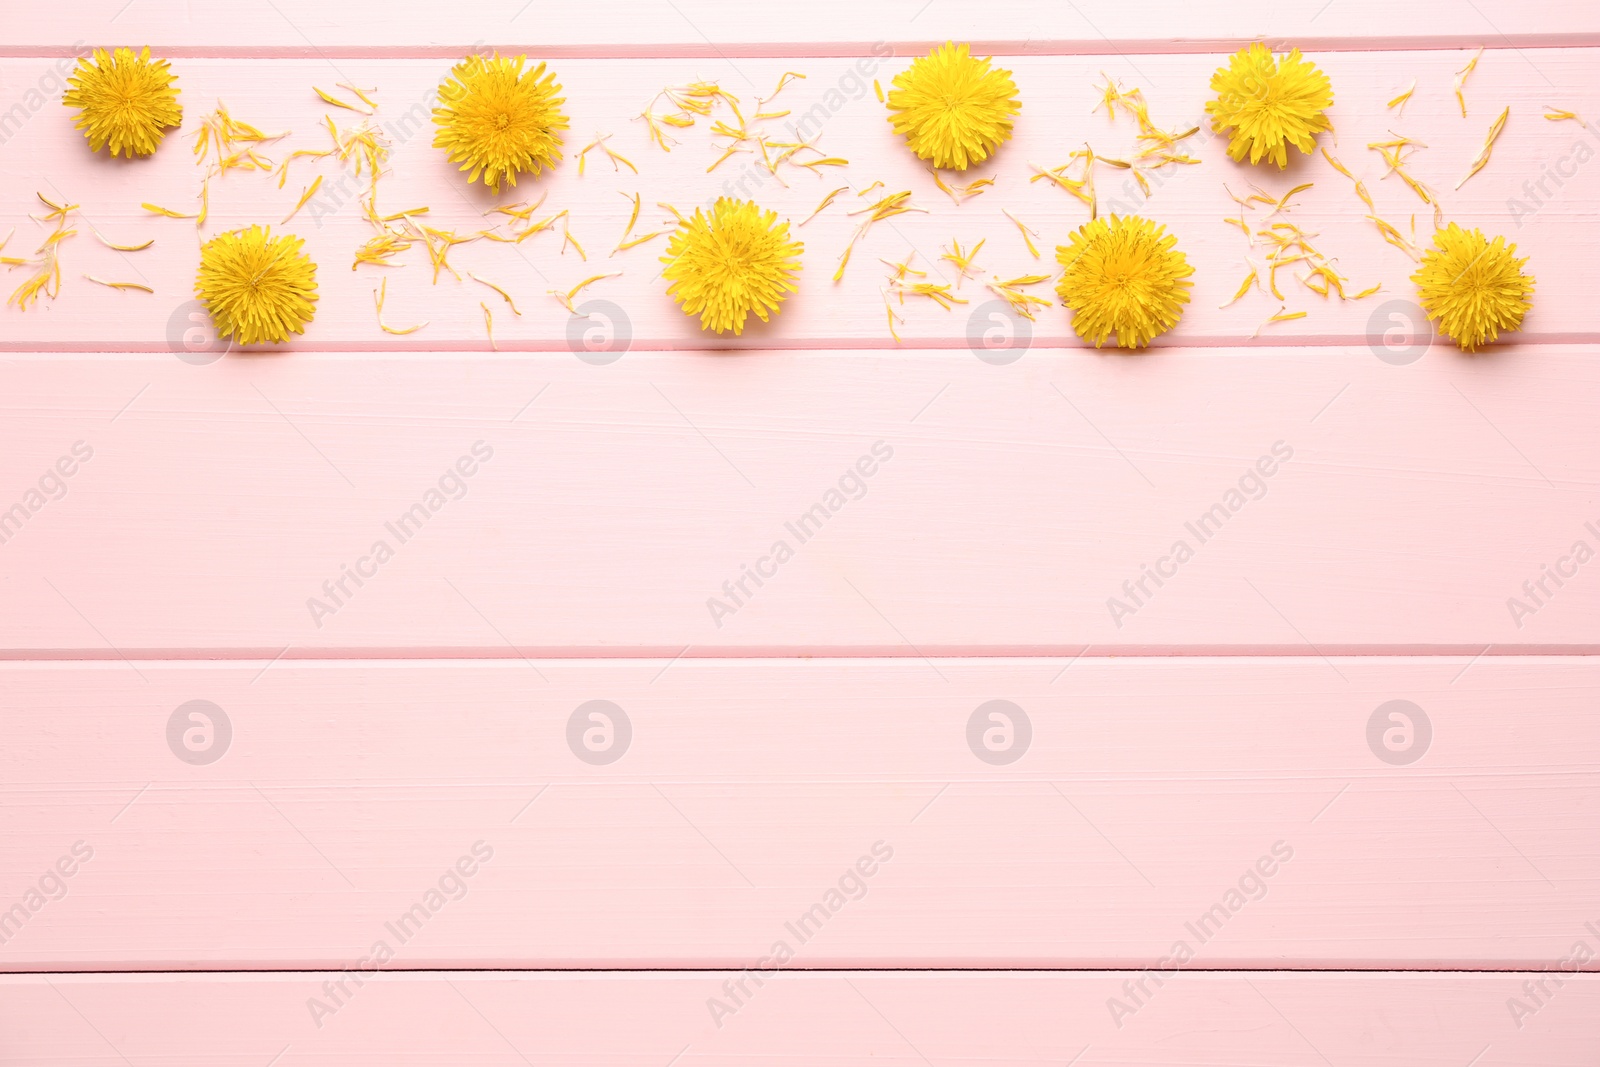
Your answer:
<point x="637" y="241"/>
<point x="965" y="262"/>
<point x="1010" y="290"/>
<point x="1281" y="316"/>
<point x="488" y="325"/>
<point x="1244" y="287"/>
<point x="168" y="212"/>
<point x="503" y="294"/>
<point x="119" y="248"/>
<point x="1400" y="101"/>
<point x="631" y="218"/>
<point x="567" y="238"/>
<point x="565" y="299"/>
<point x="1555" y="115"/>
<point x="362" y="96"/>
<point x="825" y="202"/>
<point x="336" y="102"/>
<point x="1488" y="146"/>
<point x="378" y="296"/>
<point x="615" y="157"/>
<point x="119" y="285"/>
<point x="310" y="191"/>
<point x="1026" y="232"/>
<point x="1461" y="80"/>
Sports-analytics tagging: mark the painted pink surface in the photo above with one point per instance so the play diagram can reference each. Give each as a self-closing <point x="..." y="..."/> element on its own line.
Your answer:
<point x="1151" y="789"/>
<point x="176" y="561"/>
<point x="838" y="108"/>
<point x="1015" y="504"/>
<point x="849" y="1020"/>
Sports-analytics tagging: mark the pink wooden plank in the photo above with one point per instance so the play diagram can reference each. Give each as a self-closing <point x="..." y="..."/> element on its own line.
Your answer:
<point x="1548" y="219"/>
<point x="841" y="1020"/>
<point x="1443" y="506"/>
<point x="704" y="27"/>
<point x="1248" y="808"/>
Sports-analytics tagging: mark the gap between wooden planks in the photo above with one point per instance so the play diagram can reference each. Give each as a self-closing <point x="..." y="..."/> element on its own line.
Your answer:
<point x="844" y="1019"/>
<point x="578" y="814"/>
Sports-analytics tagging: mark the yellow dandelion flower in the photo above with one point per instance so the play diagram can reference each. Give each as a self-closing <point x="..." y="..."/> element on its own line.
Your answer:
<point x="733" y="262"/>
<point x="1123" y="276"/>
<point x="1471" y="287"/>
<point x="1268" y="102"/>
<point x="498" y="120"/>
<point x="124" y="100"/>
<point x="952" y="109"/>
<point x="257" y="287"/>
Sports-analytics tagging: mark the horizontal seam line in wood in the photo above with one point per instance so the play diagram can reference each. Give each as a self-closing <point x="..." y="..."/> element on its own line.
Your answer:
<point x="1074" y="652"/>
<point x="1131" y="966"/>
<point x="816" y="344"/>
<point x="848" y="49"/>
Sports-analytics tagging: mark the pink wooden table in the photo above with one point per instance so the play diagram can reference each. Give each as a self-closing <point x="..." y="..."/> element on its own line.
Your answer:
<point x="554" y="779"/>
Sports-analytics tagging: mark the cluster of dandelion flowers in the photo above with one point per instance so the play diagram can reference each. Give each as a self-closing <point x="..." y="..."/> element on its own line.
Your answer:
<point x="1269" y="102"/>
<point x="498" y="120"/>
<point x="734" y="262"/>
<point x="257" y="287"/>
<point x="1472" y="287"/>
<point x="953" y="109"/>
<point x="125" y="100"/>
<point x="1123" y="277"/>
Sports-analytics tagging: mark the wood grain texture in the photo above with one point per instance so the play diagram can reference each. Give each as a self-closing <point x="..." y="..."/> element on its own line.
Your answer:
<point x="710" y="29"/>
<point x="622" y="504"/>
<point x="848" y="1020"/>
<point x="384" y="580"/>
<point x="835" y="104"/>
<point x="1236" y="806"/>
